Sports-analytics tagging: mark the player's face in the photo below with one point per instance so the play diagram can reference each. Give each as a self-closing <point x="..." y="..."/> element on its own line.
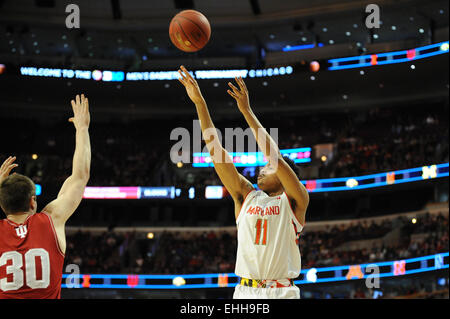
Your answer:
<point x="267" y="179"/>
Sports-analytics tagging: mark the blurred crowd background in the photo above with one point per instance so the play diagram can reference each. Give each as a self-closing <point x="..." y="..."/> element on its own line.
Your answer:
<point x="187" y="252"/>
<point x="136" y="153"/>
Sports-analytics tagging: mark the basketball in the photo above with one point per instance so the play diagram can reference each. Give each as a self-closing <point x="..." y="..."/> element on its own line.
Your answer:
<point x="189" y="30"/>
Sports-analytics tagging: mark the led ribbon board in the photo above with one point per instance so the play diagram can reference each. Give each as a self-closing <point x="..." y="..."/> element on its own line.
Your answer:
<point x="92" y="192"/>
<point x="315" y="185"/>
<point x="377" y="180"/>
<point x="301" y="47"/>
<point x="120" y="76"/>
<point x="252" y="159"/>
<point x="307" y="276"/>
<point x="388" y="57"/>
<point x="358" y="182"/>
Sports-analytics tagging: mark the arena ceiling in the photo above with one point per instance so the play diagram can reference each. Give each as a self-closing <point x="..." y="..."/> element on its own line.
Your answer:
<point x="134" y="34"/>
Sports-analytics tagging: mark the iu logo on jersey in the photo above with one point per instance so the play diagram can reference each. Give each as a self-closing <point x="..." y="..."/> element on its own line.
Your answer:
<point x="21" y="231"/>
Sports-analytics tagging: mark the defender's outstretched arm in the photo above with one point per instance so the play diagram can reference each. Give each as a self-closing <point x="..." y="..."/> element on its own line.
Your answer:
<point x="6" y="168"/>
<point x="71" y="193"/>
<point x="236" y="184"/>
<point x="291" y="184"/>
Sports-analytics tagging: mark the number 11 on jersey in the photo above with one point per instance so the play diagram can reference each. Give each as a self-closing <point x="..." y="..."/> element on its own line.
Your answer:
<point x="261" y="223"/>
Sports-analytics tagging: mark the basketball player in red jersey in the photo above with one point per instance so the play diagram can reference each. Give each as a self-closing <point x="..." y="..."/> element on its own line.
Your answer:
<point x="32" y="245"/>
<point x="268" y="220"/>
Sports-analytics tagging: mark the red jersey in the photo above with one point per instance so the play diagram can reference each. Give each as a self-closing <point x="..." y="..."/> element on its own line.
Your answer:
<point x="31" y="261"/>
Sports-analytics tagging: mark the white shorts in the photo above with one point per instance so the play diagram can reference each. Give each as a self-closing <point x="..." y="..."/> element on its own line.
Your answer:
<point x="245" y="292"/>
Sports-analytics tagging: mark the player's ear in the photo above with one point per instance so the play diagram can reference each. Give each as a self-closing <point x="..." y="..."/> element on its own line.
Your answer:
<point x="33" y="202"/>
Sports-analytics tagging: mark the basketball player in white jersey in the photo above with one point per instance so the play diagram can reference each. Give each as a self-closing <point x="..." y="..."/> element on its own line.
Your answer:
<point x="268" y="220"/>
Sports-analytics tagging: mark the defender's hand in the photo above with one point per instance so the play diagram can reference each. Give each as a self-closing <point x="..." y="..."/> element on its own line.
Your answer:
<point x="81" y="117"/>
<point x="240" y="95"/>
<point x="6" y="168"/>
<point x="191" y="86"/>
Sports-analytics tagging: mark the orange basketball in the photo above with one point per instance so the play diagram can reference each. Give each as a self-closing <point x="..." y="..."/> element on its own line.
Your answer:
<point x="189" y="30"/>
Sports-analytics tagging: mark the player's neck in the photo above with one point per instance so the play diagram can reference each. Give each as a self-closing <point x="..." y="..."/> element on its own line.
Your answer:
<point x="18" y="218"/>
<point x="275" y="193"/>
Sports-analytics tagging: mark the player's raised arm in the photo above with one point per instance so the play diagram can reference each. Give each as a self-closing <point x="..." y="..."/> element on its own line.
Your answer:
<point x="71" y="193"/>
<point x="6" y="168"/>
<point x="291" y="184"/>
<point x="236" y="184"/>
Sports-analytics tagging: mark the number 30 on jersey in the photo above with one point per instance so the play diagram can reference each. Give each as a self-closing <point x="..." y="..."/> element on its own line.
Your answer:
<point x="17" y="268"/>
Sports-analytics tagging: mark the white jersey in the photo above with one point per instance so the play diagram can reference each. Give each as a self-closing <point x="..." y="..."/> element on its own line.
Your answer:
<point x="268" y="234"/>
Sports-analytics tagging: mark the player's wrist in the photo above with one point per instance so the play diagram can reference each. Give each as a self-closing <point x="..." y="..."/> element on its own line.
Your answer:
<point x="246" y="111"/>
<point x="199" y="102"/>
<point x="82" y="129"/>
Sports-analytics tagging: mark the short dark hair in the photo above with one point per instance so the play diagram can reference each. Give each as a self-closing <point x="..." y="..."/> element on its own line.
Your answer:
<point x="292" y="165"/>
<point x="15" y="193"/>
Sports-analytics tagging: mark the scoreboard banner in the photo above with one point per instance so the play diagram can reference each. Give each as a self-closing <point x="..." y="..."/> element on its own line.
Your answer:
<point x="93" y="192"/>
<point x="253" y="159"/>
<point x="123" y="76"/>
<point x="389" y="57"/>
<point x="377" y="180"/>
<point x="313" y="186"/>
<point x="385" y="269"/>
